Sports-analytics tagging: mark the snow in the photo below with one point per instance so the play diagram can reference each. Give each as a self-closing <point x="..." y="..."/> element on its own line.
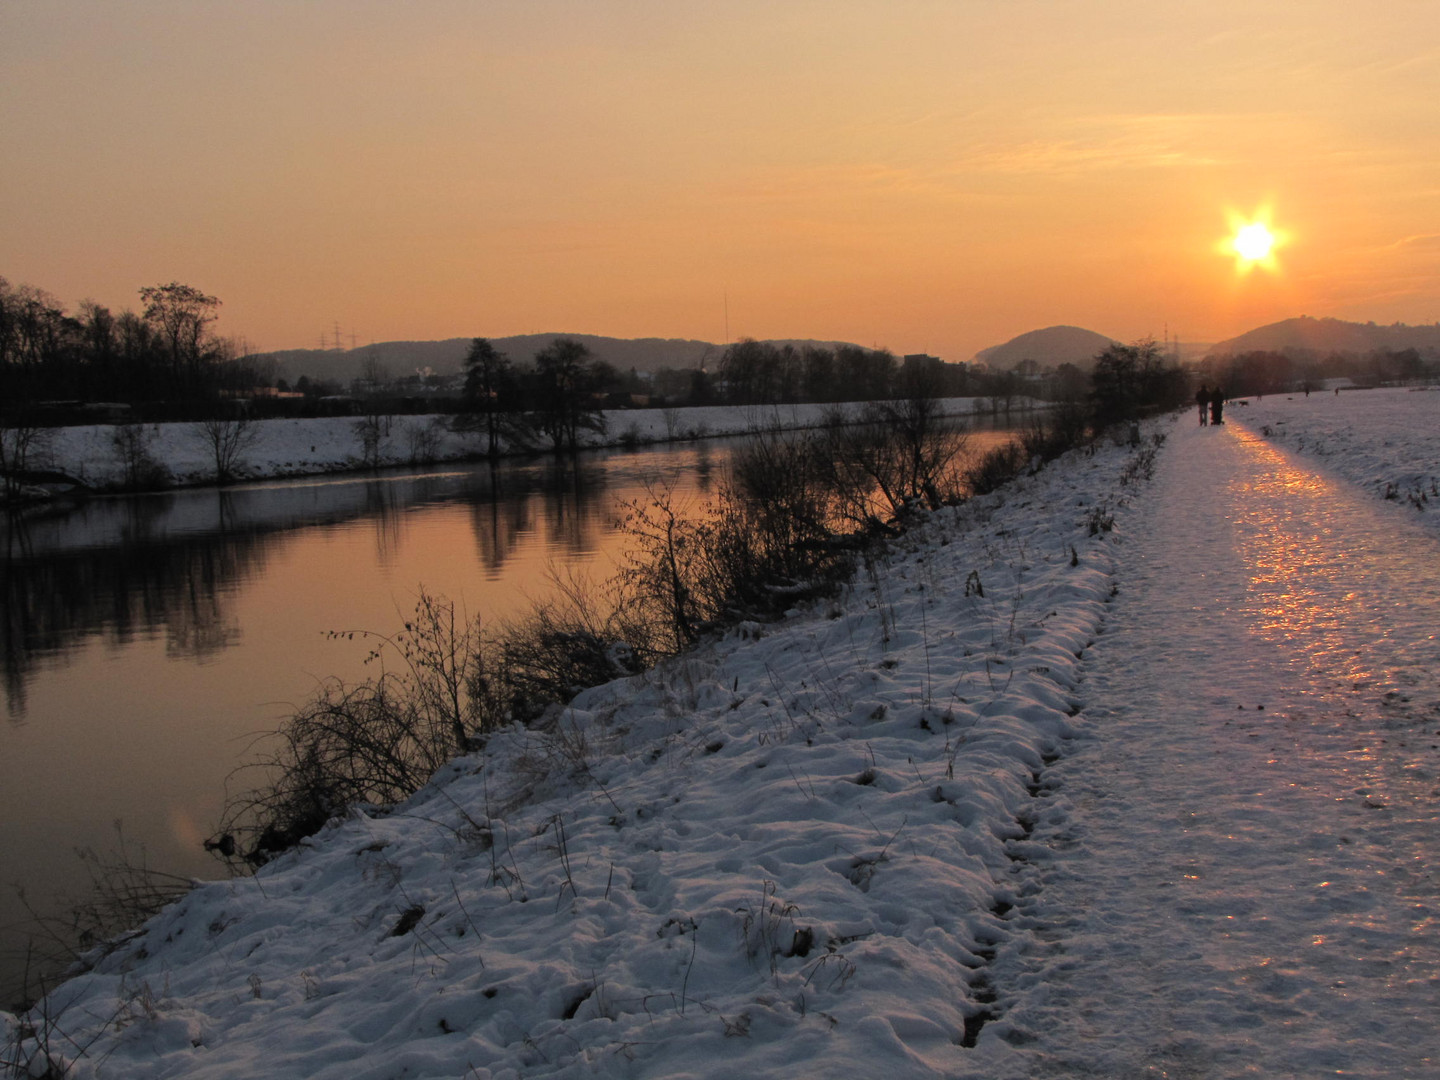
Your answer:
<point x="1387" y="441"/>
<point x="1244" y="879"/>
<point x="1159" y="801"/>
<point x="311" y="446"/>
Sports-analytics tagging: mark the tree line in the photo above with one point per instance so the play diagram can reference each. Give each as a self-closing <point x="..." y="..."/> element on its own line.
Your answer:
<point x="165" y="352"/>
<point x="1269" y="372"/>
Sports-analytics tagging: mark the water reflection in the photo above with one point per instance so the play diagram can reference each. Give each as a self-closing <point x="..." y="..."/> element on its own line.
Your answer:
<point x="53" y="600"/>
<point x="146" y="641"/>
<point x="122" y="570"/>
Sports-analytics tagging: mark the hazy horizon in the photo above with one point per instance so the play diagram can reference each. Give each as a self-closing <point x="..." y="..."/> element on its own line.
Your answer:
<point x="917" y="176"/>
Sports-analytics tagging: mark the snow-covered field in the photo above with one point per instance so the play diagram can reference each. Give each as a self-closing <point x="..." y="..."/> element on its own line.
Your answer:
<point x="1104" y="776"/>
<point x="334" y="444"/>
<point x="1386" y="441"/>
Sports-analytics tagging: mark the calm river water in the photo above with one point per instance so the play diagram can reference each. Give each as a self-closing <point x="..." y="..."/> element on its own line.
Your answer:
<point x="147" y="641"/>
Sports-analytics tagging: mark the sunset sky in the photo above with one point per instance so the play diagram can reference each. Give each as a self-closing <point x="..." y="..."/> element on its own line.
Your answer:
<point x="932" y="176"/>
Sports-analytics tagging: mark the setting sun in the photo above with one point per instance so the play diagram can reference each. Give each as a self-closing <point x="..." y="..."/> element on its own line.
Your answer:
<point x="1252" y="241"/>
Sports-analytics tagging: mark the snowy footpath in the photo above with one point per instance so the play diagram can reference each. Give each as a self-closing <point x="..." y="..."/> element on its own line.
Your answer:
<point x="1107" y="776"/>
<point x="1245" y="883"/>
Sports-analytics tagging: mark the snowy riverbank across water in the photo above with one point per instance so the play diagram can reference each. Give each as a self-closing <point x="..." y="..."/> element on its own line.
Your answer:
<point x="279" y="448"/>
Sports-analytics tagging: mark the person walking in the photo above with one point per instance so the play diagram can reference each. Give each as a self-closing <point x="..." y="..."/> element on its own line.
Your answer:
<point x="1202" y="398"/>
<point x="1217" y="406"/>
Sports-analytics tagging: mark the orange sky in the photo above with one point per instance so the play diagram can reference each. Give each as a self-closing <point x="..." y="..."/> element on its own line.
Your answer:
<point x="935" y="176"/>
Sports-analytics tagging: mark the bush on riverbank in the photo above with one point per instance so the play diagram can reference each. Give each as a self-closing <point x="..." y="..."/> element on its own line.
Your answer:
<point x="784" y="528"/>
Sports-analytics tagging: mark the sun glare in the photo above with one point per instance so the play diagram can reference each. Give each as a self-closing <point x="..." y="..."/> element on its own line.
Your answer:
<point x="1252" y="242"/>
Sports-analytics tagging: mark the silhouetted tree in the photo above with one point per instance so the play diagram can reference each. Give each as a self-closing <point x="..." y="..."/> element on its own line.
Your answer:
<point x="864" y="374"/>
<point x="489" y="389"/>
<point x="566" y="385"/>
<point x="748" y="370"/>
<point x="181" y="316"/>
<point x="227" y="438"/>
<point x="1132" y="380"/>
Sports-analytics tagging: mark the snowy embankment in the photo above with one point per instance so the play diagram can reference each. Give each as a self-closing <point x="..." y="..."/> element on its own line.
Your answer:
<point x="337" y="444"/>
<point x="800" y="849"/>
<point x="1386" y="441"/>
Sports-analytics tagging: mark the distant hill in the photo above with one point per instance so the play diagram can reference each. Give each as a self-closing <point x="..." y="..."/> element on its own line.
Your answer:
<point x="448" y="356"/>
<point x="1330" y="336"/>
<point x="1051" y="346"/>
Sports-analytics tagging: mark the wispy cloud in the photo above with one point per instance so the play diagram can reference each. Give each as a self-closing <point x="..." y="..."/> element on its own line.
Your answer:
<point x="1125" y="142"/>
<point x="1421" y="242"/>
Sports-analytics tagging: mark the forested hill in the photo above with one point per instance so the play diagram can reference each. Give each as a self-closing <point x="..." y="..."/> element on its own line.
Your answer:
<point x="1325" y="336"/>
<point x="446" y="357"/>
<point x="1049" y="347"/>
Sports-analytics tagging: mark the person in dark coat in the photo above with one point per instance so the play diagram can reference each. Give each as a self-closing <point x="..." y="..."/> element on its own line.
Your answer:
<point x="1202" y="398"/>
<point x="1217" y="406"/>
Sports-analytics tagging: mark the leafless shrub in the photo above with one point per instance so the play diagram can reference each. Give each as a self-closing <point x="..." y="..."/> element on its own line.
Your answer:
<point x="226" y="438"/>
<point x="1050" y="434"/>
<point x="138" y="468"/>
<point x="662" y="564"/>
<point x="632" y="438"/>
<point x="580" y="638"/>
<point x="374" y="742"/>
<point x="766" y="541"/>
<point x="422" y="437"/>
<point x="903" y="454"/>
<point x="995" y="468"/>
<point x="24" y="445"/>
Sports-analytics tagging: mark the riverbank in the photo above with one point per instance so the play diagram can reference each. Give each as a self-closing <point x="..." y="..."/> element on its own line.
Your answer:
<point x="791" y="847"/>
<point x="183" y="456"/>
<point x="1077" y="777"/>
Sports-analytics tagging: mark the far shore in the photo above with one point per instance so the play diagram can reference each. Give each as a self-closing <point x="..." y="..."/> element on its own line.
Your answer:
<point x="84" y="460"/>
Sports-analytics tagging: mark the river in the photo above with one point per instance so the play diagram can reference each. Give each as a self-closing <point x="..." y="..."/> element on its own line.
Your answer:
<point x="148" y="641"/>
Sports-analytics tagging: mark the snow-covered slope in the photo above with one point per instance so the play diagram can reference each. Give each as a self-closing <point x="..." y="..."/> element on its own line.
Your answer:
<point x="801" y="850"/>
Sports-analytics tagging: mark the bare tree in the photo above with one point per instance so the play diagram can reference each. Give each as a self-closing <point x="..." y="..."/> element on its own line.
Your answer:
<point x="489" y="390"/>
<point x="23" y="445"/>
<point x="227" y="438"/>
<point x="139" y="469"/>
<point x="182" y="314"/>
<point x="370" y="430"/>
<point x="566" y="380"/>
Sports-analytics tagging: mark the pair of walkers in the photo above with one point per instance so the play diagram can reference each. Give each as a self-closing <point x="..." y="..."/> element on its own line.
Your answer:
<point x="1214" y="402"/>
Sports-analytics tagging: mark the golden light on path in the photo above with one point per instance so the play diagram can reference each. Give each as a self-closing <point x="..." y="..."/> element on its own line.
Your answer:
<point x="1253" y="242"/>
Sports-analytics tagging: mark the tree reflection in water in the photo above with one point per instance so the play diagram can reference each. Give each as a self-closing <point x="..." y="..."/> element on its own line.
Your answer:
<point x="127" y="569"/>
